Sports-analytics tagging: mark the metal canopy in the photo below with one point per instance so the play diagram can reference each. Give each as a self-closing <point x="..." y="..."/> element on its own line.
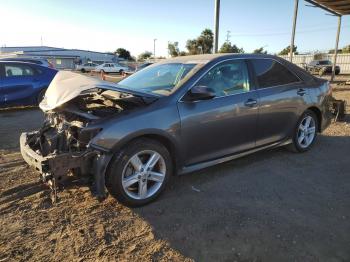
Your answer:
<point x="336" y="7"/>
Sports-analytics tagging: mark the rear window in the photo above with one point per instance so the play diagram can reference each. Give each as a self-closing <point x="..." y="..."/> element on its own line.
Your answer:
<point x="271" y="73"/>
<point x="14" y="70"/>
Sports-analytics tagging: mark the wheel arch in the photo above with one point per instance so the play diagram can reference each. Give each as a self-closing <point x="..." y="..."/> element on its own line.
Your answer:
<point x="318" y="114"/>
<point x="169" y="144"/>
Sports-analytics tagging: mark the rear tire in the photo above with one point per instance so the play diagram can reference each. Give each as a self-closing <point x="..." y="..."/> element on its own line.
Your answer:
<point x="305" y="132"/>
<point x="131" y="168"/>
<point x="83" y="70"/>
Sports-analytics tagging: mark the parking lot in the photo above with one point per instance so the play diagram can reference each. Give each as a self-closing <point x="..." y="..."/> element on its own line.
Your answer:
<point x="271" y="206"/>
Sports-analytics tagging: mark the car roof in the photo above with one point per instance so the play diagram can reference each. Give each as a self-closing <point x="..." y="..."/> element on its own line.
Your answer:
<point x="18" y="62"/>
<point x="23" y="59"/>
<point x="206" y="58"/>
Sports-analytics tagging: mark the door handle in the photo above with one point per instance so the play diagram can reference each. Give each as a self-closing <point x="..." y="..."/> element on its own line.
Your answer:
<point x="301" y="92"/>
<point x="250" y="102"/>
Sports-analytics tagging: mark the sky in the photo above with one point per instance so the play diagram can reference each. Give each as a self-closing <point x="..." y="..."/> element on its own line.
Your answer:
<point x="106" y="25"/>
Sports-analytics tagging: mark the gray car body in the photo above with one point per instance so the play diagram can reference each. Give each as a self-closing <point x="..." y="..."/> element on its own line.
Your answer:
<point x="202" y="133"/>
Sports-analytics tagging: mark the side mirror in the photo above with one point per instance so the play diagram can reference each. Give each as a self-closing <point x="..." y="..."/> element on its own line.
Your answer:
<point x="200" y="93"/>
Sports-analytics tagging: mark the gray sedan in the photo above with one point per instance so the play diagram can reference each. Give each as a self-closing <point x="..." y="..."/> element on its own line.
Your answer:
<point x="173" y="117"/>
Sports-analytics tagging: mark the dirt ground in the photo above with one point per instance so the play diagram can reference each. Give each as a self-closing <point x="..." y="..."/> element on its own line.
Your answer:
<point x="270" y="206"/>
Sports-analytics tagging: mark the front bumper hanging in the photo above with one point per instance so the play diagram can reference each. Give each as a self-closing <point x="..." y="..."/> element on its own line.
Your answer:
<point x="55" y="168"/>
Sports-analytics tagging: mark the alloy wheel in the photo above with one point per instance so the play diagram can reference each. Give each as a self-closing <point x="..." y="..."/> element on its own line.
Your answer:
<point x="143" y="175"/>
<point x="306" y="132"/>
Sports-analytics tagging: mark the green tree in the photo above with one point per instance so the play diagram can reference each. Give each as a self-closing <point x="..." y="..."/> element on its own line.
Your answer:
<point x="227" y="47"/>
<point x="260" y="51"/>
<point x="173" y="49"/>
<point x="286" y="51"/>
<point x="346" y="49"/>
<point x="331" y="51"/>
<point x="123" y="53"/>
<point x="202" y="44"/>
<point x="145" y="55"/>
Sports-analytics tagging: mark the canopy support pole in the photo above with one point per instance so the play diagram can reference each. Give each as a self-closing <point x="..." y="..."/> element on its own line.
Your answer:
<point x="336" y="48"/>
<point x="291" y="47"/>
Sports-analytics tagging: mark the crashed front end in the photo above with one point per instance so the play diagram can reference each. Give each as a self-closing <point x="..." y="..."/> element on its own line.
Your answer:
<point x="75" y="107"/>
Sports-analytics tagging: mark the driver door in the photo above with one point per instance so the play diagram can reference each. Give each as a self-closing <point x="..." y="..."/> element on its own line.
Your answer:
<point x="225" y="124"/>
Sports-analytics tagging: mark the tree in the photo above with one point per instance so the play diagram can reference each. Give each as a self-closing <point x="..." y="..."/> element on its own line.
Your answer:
<point x="260" y="51"/>
<point x="227" y="47"/>
<point x="206" y="41"/>
<point x="202" y="44"/>
<point x="331" y="51"/>
<point x="123" y="53"/>
<point x="145" y="55"/>
<point x="346" y="49"/>
<point x="192" y="47"/>
<point x="286" y="51"/>
<point x="173" y="49"/>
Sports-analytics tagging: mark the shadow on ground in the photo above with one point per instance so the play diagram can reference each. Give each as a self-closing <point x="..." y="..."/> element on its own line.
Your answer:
<point x="271" y="206"/>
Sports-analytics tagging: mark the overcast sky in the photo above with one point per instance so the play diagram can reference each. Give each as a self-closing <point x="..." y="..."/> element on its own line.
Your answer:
<point x="133" y="24"/>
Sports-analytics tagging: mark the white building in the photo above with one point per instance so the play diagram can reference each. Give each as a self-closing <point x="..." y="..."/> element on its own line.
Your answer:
<point x="61" y="58"/>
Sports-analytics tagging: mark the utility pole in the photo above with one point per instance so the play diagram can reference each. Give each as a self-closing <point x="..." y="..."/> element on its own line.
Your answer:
<point x="291" y="47"/>
<point x="216" y="25"/>
<point x="228" y="35"/>
<point x="41" y="40"/>
<point x="168" y="49"/>
<point x="336" y="48"/>
<point x="154" y="48"/>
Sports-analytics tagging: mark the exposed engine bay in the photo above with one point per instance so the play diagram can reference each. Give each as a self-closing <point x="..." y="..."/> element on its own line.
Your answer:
<point x="60" y="147"/>
<point x="65" y="129"/>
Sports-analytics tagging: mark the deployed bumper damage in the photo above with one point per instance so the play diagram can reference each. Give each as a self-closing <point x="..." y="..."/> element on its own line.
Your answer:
<point x="75" y="108"/>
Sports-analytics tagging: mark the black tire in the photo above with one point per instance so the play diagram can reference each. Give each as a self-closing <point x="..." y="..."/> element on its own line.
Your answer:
<point x="83" y="70"/>
<point x="295" y="146"/>
<point x="121" y="71"/>
<point x="114" y="174"/>
<point x="40" y="96"/>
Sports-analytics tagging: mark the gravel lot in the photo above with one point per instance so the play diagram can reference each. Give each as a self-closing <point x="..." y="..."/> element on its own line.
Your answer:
<point x="271" y="206"/>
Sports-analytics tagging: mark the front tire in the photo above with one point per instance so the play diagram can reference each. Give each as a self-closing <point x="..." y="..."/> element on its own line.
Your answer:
<point x="305" y="132"/>
<point x="139" y="172"/>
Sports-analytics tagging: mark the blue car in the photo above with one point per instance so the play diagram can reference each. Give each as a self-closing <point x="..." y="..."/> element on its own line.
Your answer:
<point x="23" y="84"/>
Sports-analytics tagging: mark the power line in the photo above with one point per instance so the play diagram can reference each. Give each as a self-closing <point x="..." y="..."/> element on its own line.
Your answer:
<point x="288" y="33"/>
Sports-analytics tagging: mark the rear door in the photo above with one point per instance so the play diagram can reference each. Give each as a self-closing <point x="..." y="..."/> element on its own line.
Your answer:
<point x="1" y="84"/>
<point x="281" y="97"/>
<point x="17" y="85"/>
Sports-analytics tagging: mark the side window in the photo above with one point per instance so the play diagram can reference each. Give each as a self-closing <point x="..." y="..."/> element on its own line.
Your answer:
<point x="18" y="70"/>
<point x="270" y="73"/>
<point x="227" y="78"/>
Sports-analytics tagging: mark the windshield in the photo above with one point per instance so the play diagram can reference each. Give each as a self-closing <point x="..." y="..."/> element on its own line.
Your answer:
<point x="325" y="62"/>
<point x="159" y="79"/>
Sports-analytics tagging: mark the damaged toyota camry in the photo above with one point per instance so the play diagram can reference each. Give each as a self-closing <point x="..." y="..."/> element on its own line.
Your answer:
<point x="173" y="117"/>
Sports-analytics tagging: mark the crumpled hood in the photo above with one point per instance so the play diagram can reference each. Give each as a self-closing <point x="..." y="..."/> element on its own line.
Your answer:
<point x="65" y="86"/>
